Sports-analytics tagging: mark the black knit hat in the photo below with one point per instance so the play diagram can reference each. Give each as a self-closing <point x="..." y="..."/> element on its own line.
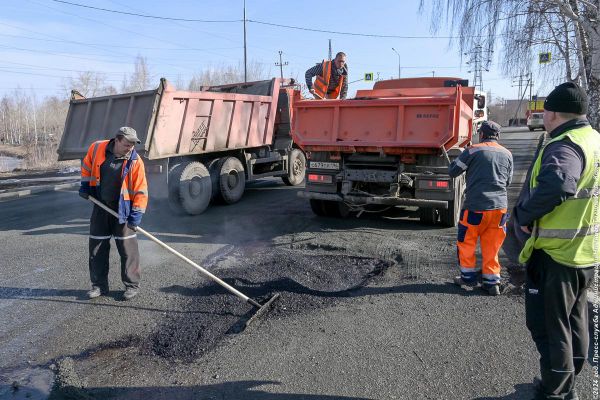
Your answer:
<point x="489" y="130"/>
<point x="567" y="97"/>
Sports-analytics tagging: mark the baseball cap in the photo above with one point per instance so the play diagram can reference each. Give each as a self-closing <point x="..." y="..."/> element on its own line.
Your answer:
<point x="129" y="134"/>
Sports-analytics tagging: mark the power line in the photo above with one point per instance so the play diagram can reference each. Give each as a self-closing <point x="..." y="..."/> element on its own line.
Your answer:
<point x="126" y="30"/>
<point x="114" y="45"/>
<point x="353" y="33"/>
<point x="145" y="15"/>
<point x="264" y="23"/>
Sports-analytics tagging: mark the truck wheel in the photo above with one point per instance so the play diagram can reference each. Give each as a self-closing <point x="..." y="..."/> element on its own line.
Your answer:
<point x="173" y="189"/>
<point x="232" y="179"/>
<point x="213" y="170"/>
<point x="451" y="216"/>
<point x="297" y="168"/>
<point x="194" y="187"/>
<point x="428" y="215"/>
<point x="317" y="207"/>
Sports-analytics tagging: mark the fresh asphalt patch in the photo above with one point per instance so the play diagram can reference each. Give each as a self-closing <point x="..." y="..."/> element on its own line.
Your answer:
<point x="208" y="314"/>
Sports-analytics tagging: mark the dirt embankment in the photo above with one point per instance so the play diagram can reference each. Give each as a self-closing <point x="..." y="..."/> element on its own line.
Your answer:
<point x="13" y="151"/>
<point x="43" y="164"/>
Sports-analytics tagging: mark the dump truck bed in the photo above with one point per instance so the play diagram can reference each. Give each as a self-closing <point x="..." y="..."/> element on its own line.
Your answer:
<point x="174" y="122"/>
<point x="396" y="117"/>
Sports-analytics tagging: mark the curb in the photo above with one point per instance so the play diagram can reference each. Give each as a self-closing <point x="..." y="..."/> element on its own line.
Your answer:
<point x="36" y="189"/>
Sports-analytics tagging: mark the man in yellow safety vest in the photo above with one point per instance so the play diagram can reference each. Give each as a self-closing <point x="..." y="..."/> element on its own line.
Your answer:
<point x="561" y="213"/>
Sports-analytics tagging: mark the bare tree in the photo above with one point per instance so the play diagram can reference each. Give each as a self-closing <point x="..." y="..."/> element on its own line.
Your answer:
<point x="140" y="79"/>
<point x="88" y="83"/>
<point x="224" y="74"/>
<point x="569" y="29"/>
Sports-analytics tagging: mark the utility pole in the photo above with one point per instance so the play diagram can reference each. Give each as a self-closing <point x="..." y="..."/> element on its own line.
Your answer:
<point x="478" y="64"/>
<point x="280" y="64"/>
<point x="530" y="86"/>
<point x="245" y="55"/>
<point x="399" y="69"/>
<point x="330" y="55"/>
<point x="519" y="80"/>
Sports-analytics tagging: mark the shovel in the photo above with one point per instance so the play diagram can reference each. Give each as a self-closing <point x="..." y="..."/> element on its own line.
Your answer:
<point x="261" y="309"/>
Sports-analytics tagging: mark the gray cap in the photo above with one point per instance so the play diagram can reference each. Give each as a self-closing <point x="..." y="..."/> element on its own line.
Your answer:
<point x="490" y="129"/>
<point x="129" y="134"/>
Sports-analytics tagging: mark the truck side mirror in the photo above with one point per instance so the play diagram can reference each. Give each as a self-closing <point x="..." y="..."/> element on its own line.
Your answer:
<point x="480" y="101"/>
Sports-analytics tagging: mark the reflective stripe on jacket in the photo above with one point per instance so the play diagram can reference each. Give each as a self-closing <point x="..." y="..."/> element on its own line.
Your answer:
<point x="570" y="233"/>
<point x="133" y="198"/>
<point x="321" y="85"/>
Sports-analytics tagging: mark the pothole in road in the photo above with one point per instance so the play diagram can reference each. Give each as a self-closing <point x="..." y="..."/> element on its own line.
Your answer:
<point x="305" y="282"/>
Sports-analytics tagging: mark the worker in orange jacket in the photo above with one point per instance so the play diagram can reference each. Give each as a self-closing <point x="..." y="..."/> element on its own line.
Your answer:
<point x="113" y="172"/>
<point x="331" y="78"/>
<point x="488" y="167"/>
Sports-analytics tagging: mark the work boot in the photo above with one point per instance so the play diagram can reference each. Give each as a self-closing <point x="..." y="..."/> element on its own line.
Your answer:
<point x="493" y="290"/>
<point x="130" y="293"/>
<point x="538" y="389"/>
<point x="96" y="292"/>
<point x="458" y="280"/>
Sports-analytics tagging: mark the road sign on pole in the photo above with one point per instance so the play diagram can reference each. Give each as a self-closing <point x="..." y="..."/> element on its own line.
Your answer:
<point x="368" y="76"/>
<point x="545" y="58"/>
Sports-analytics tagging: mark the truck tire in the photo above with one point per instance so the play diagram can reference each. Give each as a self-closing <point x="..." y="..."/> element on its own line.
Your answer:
<point x="213" y="170"/>
<point x="232" y="179"/>
<point x="192" y="187"/>
<point x="451" y="216"/>
<point x="317" y="207"/>
<point x="297" y="168"/>
<point x="173" y="189"/>
<point x="428" y="215"/>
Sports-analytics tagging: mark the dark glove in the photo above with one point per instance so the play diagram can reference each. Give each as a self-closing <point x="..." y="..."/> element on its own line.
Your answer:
<point x="84" y="195"/>
<point x="132" y="227"/>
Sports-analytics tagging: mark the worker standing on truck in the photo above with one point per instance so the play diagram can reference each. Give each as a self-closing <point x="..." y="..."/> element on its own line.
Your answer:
<point x="331" y="78"/>
<point x="113" y="172"/>
<point x="561" y="212"/>
<point x="489" y="168"/>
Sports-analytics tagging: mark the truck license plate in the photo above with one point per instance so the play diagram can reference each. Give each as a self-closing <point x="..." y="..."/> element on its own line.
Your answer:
<point x="324" y="165"/>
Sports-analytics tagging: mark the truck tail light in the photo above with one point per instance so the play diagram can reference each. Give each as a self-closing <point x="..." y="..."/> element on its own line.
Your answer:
<point x="431" y="184"/>
<point x="316" y="178"/>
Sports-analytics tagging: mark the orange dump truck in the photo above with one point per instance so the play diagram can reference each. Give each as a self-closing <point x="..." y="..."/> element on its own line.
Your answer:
<point x="198" y="146"/>
<point x="389" y="146"/>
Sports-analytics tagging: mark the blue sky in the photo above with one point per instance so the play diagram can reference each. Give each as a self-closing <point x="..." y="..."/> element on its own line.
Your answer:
<point x="37" y="49"/>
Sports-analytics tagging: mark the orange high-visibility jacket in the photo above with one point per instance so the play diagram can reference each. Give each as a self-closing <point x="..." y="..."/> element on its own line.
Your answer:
<point x="133" y="198"/>
<point x="321" y="84"/>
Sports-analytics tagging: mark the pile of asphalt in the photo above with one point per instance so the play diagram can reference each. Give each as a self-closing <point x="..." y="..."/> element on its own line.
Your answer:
<point x="208" y="314"/>
<point x="305" y="282"/>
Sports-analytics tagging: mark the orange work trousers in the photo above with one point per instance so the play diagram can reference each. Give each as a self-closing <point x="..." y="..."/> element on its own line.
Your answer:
<point x="490" y="227"/>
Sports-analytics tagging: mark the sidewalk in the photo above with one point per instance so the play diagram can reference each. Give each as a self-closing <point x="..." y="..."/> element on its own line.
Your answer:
<point x="20" y="184"/>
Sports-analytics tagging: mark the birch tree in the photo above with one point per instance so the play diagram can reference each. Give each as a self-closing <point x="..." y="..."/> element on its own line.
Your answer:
<point x="570" y="29"/>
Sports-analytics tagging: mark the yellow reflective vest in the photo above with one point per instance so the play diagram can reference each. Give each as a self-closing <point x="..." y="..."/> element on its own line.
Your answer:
<point x="570" y="233"/>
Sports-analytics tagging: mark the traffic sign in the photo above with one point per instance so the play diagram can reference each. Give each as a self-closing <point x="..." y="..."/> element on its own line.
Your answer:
<point x="545" y="58"/>
<point x="368" y="76"/>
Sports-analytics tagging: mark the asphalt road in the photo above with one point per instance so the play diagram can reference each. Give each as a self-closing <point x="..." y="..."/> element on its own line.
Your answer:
<point x="366" y="309"/>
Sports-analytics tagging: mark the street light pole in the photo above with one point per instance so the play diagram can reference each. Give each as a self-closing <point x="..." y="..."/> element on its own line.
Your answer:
<point x="245" y="57"/>
<point x="399" y="70"/>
